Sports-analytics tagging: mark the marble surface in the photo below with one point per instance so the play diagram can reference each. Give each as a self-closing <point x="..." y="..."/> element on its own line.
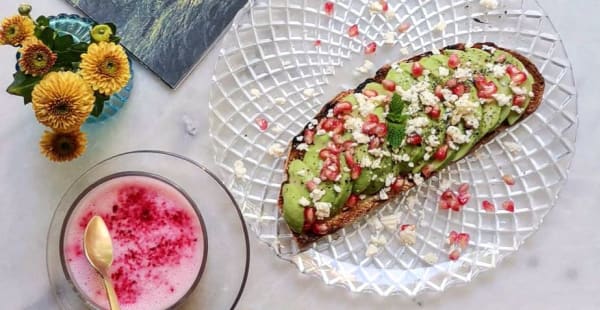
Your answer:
<point x="557" y="268"/>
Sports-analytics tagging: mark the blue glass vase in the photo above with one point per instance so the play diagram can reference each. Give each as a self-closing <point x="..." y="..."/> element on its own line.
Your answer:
<point x="79" y="27"/>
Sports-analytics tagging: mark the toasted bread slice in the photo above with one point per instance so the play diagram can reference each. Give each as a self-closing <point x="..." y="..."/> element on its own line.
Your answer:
<point x="348" y="216"/>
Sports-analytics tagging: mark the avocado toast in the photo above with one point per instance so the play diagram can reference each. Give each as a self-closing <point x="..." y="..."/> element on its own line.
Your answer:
<point x="395" y="130"/>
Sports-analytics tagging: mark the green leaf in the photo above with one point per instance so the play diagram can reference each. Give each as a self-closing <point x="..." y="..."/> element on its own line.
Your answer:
<point x="23" y="85"/>
<point x="99" y="104"/>
<point x="42" y="21"/>
<point x="47" y="36"/>
<point x="397" y="104"/>
<point x="62" y="43"/>
<point x="115" y="39"/>
<point x="396" y="133"/>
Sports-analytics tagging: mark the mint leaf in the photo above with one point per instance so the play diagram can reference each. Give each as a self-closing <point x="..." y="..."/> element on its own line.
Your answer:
<point x="396" y="133"/>
<point x="397" y="105"/>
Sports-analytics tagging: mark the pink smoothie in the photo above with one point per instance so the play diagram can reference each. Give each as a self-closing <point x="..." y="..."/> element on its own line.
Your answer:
<point x="157" y="240"/>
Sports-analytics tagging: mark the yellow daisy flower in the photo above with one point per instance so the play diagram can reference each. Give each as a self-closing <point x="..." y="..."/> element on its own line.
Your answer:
<point x="105" y="67"/>
<point x="63" y="146"/>
<point x="15" y="29"/>
<point x="62" y="101"/>
<point x="36" y="58"/>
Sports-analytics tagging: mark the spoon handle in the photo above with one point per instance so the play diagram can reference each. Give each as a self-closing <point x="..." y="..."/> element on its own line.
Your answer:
<point x="112" y="296"/>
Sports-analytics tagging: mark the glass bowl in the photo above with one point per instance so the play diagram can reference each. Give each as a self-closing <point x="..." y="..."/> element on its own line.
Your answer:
<point x="222" y="278"/>
<point x="277" y="49"/>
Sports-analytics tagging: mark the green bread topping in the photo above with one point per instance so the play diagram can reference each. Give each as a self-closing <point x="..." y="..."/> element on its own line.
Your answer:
<point x="436" y="118"/>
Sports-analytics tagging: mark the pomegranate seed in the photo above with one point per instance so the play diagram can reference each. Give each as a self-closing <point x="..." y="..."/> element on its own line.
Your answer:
<point x="370" y="48"/>
<point x="328" y="7"/>
<point x="309" y="136"/>
<point x="453" y="61"/>
<point x="348" y="146"/>
<point x="519" y="100"/>
<point x="349" y="159"/>
<point x="368" y="128"/>
<point x="355" y="172"/>
<point x="438" y="92"/>
<point x="384" y="5"/>
<point x="317" y="43"/>
<point x="370" y="93"/>
<point x="485" y="89"/>
<point x="414" y="139"/>
<point x="329" y="172"/>
<point x="372" y="118"/>
<point x="501" y="58"/>
<point x="309" y="217"/>
<point x="417" y="69"/>
<point x="512" y="70"/>
<point x="454" y="204"/>
<point x="508" y="179"/>
<point x="332" y="124"/>
<point x="427" y="170"/>
<point x="389" y="85"/>
<point x="454" y="254"/>
<point x="341" y="108"/>
<point x="509" y="206"/>
<point x="326" y="153"/>
<point x="459" y="90"/>
<point x="443" y="204"/>
<point x="488" y="206"/>
<point x="463" y="198"/>
<point x="380" y="130"/>
<point x="353" y="31"/>
<point x="463" y="188"/>
<point x="352" y="201"/>
<point x="338" y="139"/>
<point x="519" y="78"/>
<point x="262" y="123"/>
<point x="463" y="240"/>
<point x="410" y="227"/>
<point x="320" y="228"/>
<point x="311" y="185"/>
<point x="452" y="237"/>
<point x="374" y="143"/>
<point x="435" y="112"/>
<point x="451" y="83"/>
<point x="404" y="27"/>
<point x="448" y="200"/>
<point x="398" y="185"/>
<point x="441" y="153"/>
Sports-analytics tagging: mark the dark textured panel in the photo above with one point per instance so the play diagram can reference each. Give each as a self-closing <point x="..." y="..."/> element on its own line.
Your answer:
<point x="168" y="36"/>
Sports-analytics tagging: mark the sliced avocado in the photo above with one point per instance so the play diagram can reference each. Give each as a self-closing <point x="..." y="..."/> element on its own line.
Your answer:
<point x="431" y="64"/>
<point x="441" y="58"/>
<point x="462" y="56"/>
<point x="379" y="182"/>
<point x="490" y="118"/>
<point x="363" y="181"/>
<point x="352" y="99"/>
<point x="345" y="184"/>
<point x="295" y="174"/>
<point x="466" y="147"/>
<point x="378" y="88"/>
<point x="513" y="117"/>
<point x="441" y="135"/>
<point x="293" y="212"/>
<point x="402" y="78"/>
<point x="478" y="58"/>
<point x="311" y="157"/>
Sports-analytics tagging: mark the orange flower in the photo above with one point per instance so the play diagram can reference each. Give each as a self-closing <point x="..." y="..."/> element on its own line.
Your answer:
<point x="15" y="29"/>
<point x="36" y="58"/>
<point x="63" y="146"/>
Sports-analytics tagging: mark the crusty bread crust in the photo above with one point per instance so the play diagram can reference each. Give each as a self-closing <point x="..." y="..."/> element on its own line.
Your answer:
<point x="365" y="206"/>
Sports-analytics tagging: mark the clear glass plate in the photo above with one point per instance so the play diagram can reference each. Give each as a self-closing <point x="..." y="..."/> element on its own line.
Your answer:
<point x="222" y="281"/>
<point x="271" y="48"/>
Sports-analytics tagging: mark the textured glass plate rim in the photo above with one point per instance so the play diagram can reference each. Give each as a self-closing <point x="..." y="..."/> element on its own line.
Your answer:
<point x="176" y="156"/>
<point x="453" y="281"/>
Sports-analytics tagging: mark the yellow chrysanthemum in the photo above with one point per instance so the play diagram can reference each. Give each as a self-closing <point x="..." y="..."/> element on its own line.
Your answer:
<point x="105" y="67"/>
<point x="15" y="29"/>
<point x="36" y="58"/>
<point x="62" y="101"/>
<point x="63" y="146"/>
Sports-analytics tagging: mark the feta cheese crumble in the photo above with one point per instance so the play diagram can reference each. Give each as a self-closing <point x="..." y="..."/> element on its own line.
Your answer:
<point x="441" y="26"/>
<point x="239" y="169"/>
<point x="304" y="202"/>
<point x="444" y="71"/>
<point x="489" y="4"/>
<point x="280" y="100"/>
<point x="365" y="67"/>
<point x="302" y="147"/>
<point x="389" y="38"/>
<point x="408" y="236"/>
<point x="309" y="92"/>
<point x="322" y="209"/>
<point x="255" y="92"/>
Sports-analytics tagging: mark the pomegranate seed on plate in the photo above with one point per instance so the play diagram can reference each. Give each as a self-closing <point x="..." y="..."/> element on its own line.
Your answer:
<point x="462" y="240"/>
<point x="454" y="254"/>
<point x="509" y="206"/>
<point x="370" y="48"/>
<point x="309" y="217"/>
<point x="317" y="42"/>
<point x="262" y="123"/>
<point x="404" y="27"/>
<point x="417" y="69"/>
<point x="343" y="107"/>
<point x="453" y="61"/>
<point x="410" y="227"/>
<point x="485" y="89"/>
<point x="389" y="85"/>
<point x="328" y="7"/>
<point x="519" y="78"/>
<point x="384" y="5"/>
<point x="352" y="201"/>
<point x="463" y="198"/>
<point x="519" y="100"/>
<point x="452" y="237"/>
<point x="512" y="70"/>
<point x="370" y="93"/>
<point x="353" y="31"/>
<point x="441" y="152"/>
<point x="488" y="206"/>
<point x="463" y="188"/>
<point x="508" y="179"/>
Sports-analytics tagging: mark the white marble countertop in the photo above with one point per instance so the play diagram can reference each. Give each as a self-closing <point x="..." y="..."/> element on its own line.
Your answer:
<point x="557" y="268"/>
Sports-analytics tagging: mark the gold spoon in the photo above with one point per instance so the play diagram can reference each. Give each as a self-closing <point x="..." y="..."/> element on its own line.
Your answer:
<point x="99" y="252"/>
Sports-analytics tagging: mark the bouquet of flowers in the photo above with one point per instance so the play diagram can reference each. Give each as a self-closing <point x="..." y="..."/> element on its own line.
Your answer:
<point x="65" y="81"/>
